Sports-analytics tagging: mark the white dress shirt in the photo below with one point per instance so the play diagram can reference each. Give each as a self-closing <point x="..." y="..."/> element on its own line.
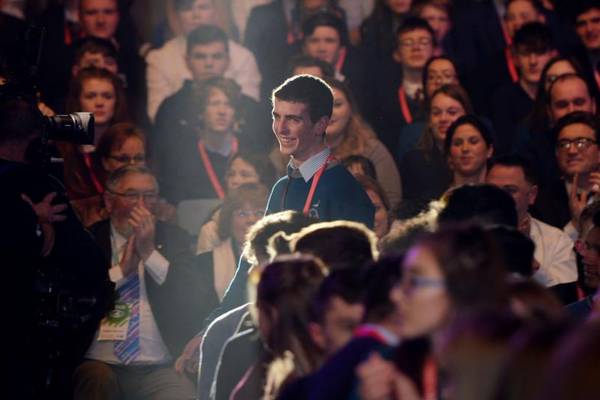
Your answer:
<point x="153" y="349"/>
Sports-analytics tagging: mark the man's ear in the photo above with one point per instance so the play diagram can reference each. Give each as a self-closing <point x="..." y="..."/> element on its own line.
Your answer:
<point x="74" y="70"/>
<point x="533" y="192"/>
<point x="321" y="126"/>
<point x="317" y="335"/>
<point x="397" y="56"/>
<point x="108" y="201"/>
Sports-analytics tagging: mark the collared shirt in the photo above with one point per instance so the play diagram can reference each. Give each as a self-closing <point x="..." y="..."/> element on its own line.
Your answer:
<point x="153" y="349"/>
<point x="309" y="167"/>
<point x="225" y="149"/>
<point x="554" y="252"/>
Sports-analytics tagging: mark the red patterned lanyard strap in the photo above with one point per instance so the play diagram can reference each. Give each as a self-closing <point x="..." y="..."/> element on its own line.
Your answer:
<point x="404" y="105"/>
<point x="210" y="170"/>
<point x="87" y="159"/>
<point x="315" y="183"/>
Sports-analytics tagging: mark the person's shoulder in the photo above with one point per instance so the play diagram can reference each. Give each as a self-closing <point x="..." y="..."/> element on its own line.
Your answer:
<point x="550" y="232"/>
<point x="166" y="52"/>
<point x="238" y="51"/>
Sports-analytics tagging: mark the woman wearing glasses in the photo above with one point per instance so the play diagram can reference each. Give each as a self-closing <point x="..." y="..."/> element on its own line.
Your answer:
<point x="241" y="208"/>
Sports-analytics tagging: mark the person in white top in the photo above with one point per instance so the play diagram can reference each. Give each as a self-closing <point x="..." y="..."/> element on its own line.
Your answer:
<point x="553" y="248"/>
<point x="167" y="68"/>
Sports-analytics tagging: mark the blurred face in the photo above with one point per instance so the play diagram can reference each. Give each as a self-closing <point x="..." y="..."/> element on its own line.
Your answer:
<point x="421" y="299"/>
<point x="243" y="219"/>
<point x="297" y="135"/>
<point x="440" y="72"/>
<point x="324" y="44"/>
<point x="414" y="48"/>
<point x="573" y="160"/>
<point x="568" y="96"/>
<point x="589" y="249"/>
<point x="219" y="114"/>
<point x="382" y="222"/>
<point x="131" y="153"/>
<point x="99" y="18"/>
<point x="202" y="12"/>
<point x="438" y="20"/>
<point x="240" y="172"/>
<point x="531" y="64"/>
<point x="587" y="26"/>
<point x="98" y="96"/>
<point x="557" y="69"/>
<point x="340" y="117"/>
<point x="468" y="151"/>
<point x="134" y="190"/>
<point x="519" y="13"/>
<point x="512" y="181"/>
<point x="444" y="111"/>
<point x="399" y="6"/>
<point x="339" y="322"/>
<point x="97" y="60"/>
<point x="208" y="60"/>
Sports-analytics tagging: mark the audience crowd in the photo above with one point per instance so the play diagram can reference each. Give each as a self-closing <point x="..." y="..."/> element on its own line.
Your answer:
<point x="305" y="199"/>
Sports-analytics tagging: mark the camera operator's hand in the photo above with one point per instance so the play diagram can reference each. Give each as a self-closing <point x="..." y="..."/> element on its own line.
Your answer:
<point x="143" y="225"/>
<point x="130" y="260"/>
<point x="45" y="211"/>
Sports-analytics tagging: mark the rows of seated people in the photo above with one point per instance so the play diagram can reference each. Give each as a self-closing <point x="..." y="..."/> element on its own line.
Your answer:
<point x="430" y="98"/>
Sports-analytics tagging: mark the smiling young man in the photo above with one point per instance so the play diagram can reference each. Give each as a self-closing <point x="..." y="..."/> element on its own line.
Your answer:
<point x="316" y="183"/>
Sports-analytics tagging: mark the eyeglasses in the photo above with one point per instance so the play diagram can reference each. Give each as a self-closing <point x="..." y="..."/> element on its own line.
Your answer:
<point x="411" y="283"/>
<point x="412" y="42"/>
<point x="245" y="213"/>
<point x="443" y="77"/>
<point x="132" y="196"/>
<point x="124" y="159"/>
<point x="581" y="143"/>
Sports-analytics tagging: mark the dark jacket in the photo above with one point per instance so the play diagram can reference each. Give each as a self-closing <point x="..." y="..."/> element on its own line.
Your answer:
<point x="182" y="302"/>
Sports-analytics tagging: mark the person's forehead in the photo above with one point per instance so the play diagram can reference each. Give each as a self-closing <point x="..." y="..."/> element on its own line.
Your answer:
<point x="441" y="64"/>
<point x="98" y="4"/>
<point x="591" y="13"/>
<point x="573" y="85"/>
<point x="325" y="30"/>
<point x="136" y="180"/>
<point x="576" y="130"/>
<point x="211" y="47"/>
<point x="507" y="172"/>
<point x="417" y="32"/>
<point x="290" y="107"/>
<point x="520" y="6"/>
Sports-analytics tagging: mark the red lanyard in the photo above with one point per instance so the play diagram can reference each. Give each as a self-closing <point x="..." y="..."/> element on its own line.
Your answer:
<point x="87" y="159"/>
<point x="404" y="105"/>
<point x="315" y="182"/>
<point x="597" y="77"/>
<point x="430" y="376"/>
<point x="372" y="332"/>
<point x="512" y="70"/>
<point x="210" y="170"/>
<point x="341" y="59"/>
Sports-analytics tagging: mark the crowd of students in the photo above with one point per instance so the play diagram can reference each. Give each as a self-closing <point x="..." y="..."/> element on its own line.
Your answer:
<point x="451" y="250"/>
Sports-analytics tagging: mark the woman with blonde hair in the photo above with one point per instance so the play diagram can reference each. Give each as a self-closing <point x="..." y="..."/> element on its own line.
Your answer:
<point x="348" y="134"/>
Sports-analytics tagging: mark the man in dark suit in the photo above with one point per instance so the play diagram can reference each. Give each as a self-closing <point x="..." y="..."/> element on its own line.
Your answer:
<point x="163" y="298"/>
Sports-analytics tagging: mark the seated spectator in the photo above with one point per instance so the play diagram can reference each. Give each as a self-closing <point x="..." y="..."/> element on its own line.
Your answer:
<point x="303" y="64"/>
<point x="438" y="14"/>
<point x="446" y="275"/>
<point x="243" y="168"/>
<point x="399" y="83"/>
<point x="576" y="149"/>
<point x="161" y="290"/>
<point x="469" y="144"/>
<point x="587" y="247"/>
<point x="232" y="322"/>
<point x="531" y="49"/>
<point x="207" y="56"/>
<point x="167" y="69"/>
<point x="439" y="71"/>
<point x="382" y="206"/>
<point x="241" y="208"/>
<point x="425" y="172"/>
<point x="100" y="92"/>
<point x="121" y="145"/>
<point x="378" y="31"/>
<point x="584" y="20"/>
<point x="348" y="134"/>
<point x="380" y="327"/>
<point x="325" y="37"/>
<point x="192" y="163"/>
<point x="553" y="248"/>
<point x="95" y="52"/>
